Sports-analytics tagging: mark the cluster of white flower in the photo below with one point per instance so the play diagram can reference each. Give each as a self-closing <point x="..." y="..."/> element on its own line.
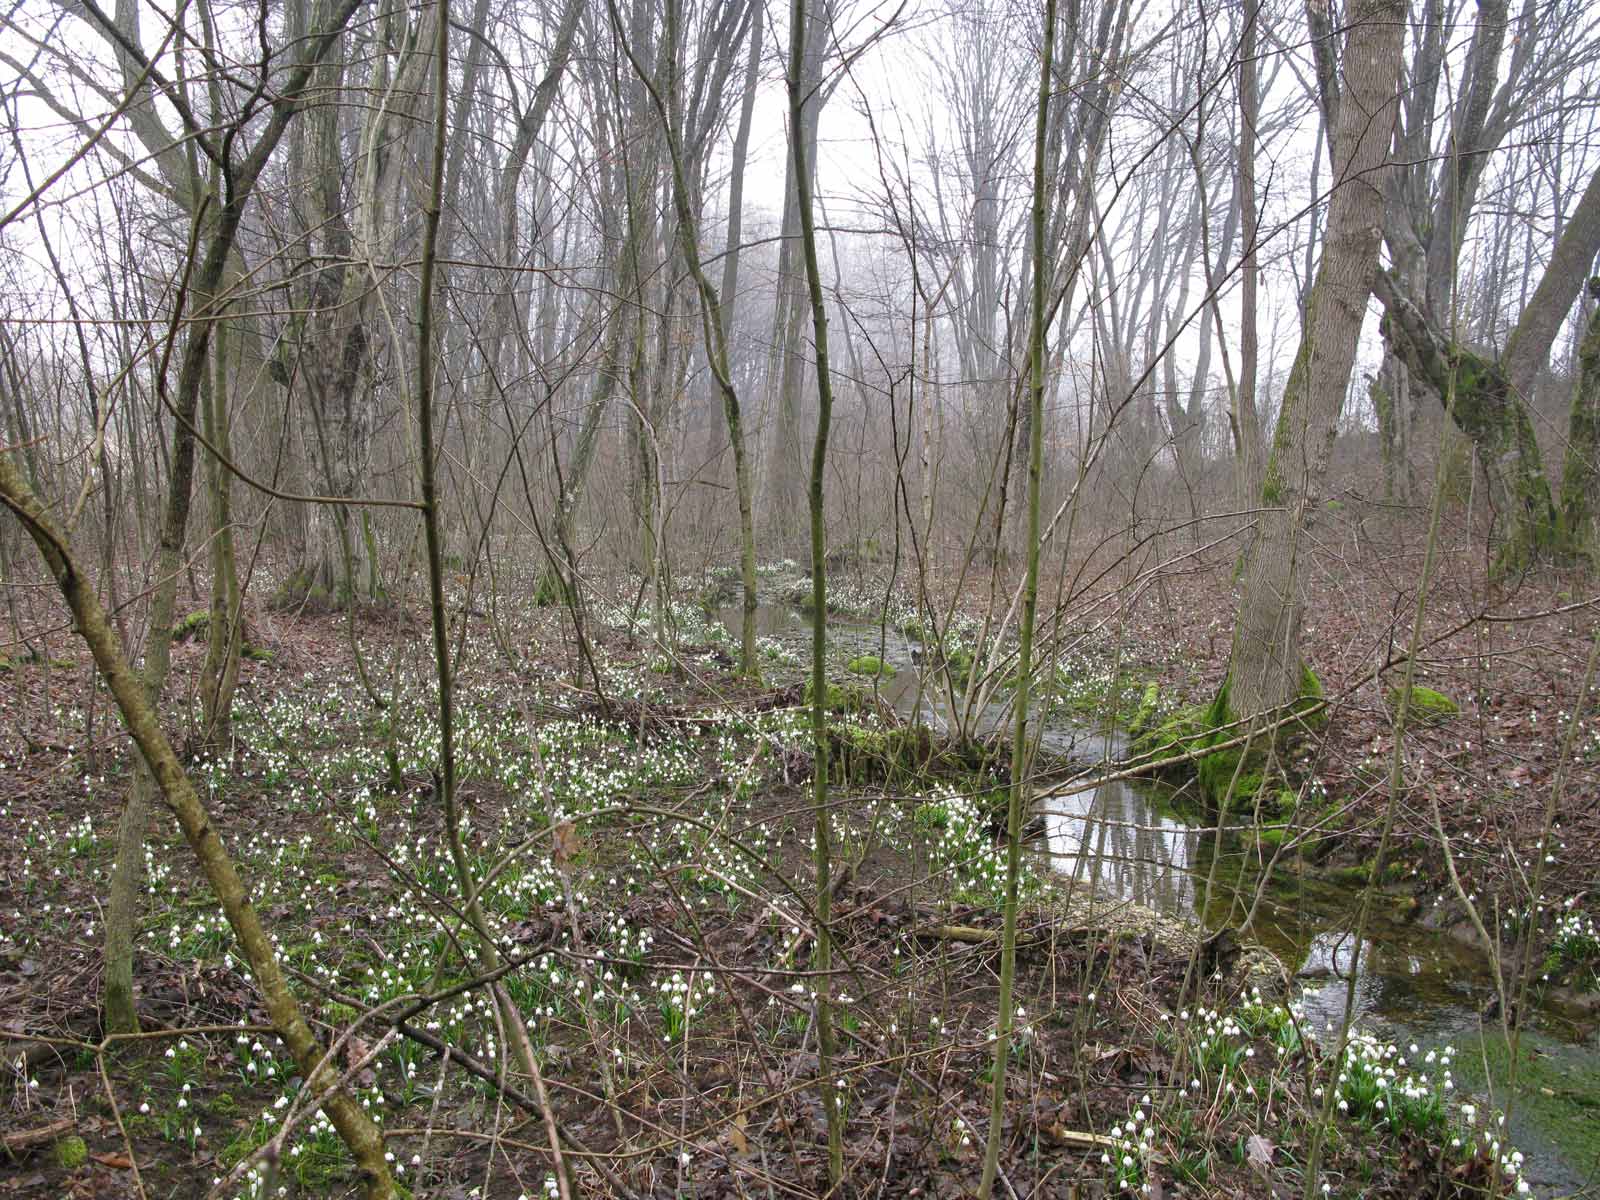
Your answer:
<point x="962" y="848"/>
<point x="1132" y="1145"/>
<point x="680" y="997"/>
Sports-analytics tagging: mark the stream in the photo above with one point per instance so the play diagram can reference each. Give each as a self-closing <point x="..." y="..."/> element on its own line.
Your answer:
<point x="1413" y="983"/>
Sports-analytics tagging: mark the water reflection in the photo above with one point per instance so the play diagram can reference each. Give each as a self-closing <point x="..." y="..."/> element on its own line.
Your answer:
<point x="1111" y="840"/>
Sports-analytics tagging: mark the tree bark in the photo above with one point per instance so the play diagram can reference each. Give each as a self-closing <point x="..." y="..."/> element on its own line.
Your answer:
<point x="804" y="66"/>
<point x="1246" y="420"/>
<point x="1528" y="348"/>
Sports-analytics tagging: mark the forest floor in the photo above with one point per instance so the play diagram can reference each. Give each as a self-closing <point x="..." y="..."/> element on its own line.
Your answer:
<point x="649" y="863"/>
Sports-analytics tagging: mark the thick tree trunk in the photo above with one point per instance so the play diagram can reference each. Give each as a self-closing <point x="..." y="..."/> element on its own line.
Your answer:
<point x="1580" y="475"/>
<point x="1266" y="673"/>
<point x="1481" y="400"/>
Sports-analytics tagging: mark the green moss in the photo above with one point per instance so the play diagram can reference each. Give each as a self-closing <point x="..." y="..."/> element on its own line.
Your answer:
<point x="1425" y="705"/>
<point x="1221" y="771"/>
<point x="1146" y="712"/>
<point x="959" y="662"/>
<point x="195" y="625"/>
<point x="1182" y="733"/>
<point x="1308" y="707"/>
<point x="1224" y="781"/>
<point x="255" y="653"/>
<point x="71" y="1153"/>
<point x="1268" y="838"/>
<point x="870" y="664"/>
<point x="301" y="592"/>
<point x="838" y="698"/>
<point x="860" y="753"/>
<point x="1558" y="1091"/>
<point x="551" y="589"/>
<point x="1354" y="874"/>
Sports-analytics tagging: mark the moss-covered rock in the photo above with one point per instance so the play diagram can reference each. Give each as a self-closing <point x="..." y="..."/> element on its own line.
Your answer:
<point x="551" y="589"/>
<point x="1426" y="705"/>
<point x="1234" y="778"/>
<point x="302" y="592"/>
<point x="870" y="664"/>
<point x="1184" y="732"/>
<point x="797" y="594"/>
<point x="859" y="753"/>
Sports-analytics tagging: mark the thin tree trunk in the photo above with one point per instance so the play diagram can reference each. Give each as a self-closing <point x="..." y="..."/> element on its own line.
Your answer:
<point x="712" y="316"/>
<point x="123" y="895"/>
<point x="822" y="857"/>
<point x="1030" y="605"/>
<point x="1580" y="475"/>
<point x="1246" y="421"/>
<point x="224" y="633"/>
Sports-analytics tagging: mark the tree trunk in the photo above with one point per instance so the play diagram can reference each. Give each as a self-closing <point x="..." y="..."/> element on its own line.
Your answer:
<point x="133" y="698"/>
<point x="1580" y="475"/>
<point x="787" y="372"/>
<point x="1030" y="604"/>
<point x="1480" y="398"/>
<point x="712" y="311"/>
<point x="804" y="64"/>
<point x="1246" y="421"/>
<point x="1265" y="673"/>
<point x="1489" y="399"/>
<point x="1528" y="348"/>
<point x="224" y="632"/>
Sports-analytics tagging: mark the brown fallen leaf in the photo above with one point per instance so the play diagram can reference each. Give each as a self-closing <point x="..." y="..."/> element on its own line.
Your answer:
<point x="736" y="1135"/>
<point x="356" y="1051"/>
<point x="564" y="844"/>
<point x="117" y="1162"/>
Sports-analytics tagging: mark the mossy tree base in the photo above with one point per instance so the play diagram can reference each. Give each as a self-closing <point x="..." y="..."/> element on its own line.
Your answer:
<point x="1241" y="778"/>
